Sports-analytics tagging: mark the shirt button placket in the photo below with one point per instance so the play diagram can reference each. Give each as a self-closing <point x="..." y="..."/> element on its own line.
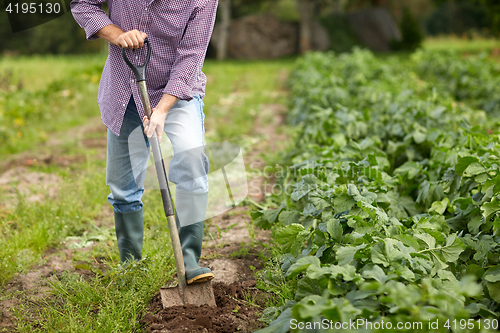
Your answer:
<point x="142" y="27"/>
<point x="144" y="19"/>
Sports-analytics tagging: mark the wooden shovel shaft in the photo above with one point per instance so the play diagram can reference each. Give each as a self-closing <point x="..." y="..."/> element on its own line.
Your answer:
<point x="179" y="260"/>
<point x="165" y="193"/>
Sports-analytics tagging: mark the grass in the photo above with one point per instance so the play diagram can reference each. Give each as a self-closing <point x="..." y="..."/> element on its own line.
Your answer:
<point x="45" y="95"/>
<point x="109" y="299"/>
<point x="31" y="229"/>
<point x="36" y="73"/>
<point x="110" y="303"/>
<point x="235" y="92"/>
<point x="272" y="279"/>
<point x="29" y="118"/>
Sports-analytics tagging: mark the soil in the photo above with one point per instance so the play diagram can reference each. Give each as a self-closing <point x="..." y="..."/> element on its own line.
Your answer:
<point x="232" y="314"/>
<point x="33" y="186"/>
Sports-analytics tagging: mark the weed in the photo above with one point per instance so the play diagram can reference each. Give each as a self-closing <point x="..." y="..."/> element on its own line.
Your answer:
<point x="237" y="212"/>
<point x="242" y="252"/>
<point x="250" y="228"/>
<point x="212" y="255"/>
<point x="225" y="231"/>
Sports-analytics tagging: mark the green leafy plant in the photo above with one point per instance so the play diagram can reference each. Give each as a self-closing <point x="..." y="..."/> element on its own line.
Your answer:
<point x="470" y="79"/>
<point x="394" y="214"/>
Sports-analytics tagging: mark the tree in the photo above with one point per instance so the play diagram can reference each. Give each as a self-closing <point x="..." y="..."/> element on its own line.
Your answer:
<point x="492" y="9"/>
<point x="412" y="35"/>
<point x="228" y="10"/>
<point x="310" y="10"/>
<point x="225" y="13"/>
<point x="306" y="9"/>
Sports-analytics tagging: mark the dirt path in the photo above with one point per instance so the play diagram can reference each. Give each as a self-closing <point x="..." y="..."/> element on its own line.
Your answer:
<point x="231" y="249"/>
<point x="16" y="178"/>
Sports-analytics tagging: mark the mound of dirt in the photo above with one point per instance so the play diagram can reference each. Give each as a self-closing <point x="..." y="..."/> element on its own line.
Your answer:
<point x="233" y="313"/>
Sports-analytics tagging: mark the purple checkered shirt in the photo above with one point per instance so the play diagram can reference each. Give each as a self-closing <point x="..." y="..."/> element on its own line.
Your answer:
<point x="179" y="32"/>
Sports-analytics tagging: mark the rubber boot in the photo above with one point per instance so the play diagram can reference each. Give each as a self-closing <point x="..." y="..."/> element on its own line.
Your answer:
<point x="191" y="237"/>
<point x="129" y="234"/>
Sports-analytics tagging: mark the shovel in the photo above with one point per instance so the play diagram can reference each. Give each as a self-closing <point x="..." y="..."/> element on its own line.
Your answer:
<point x="196" y="294"/>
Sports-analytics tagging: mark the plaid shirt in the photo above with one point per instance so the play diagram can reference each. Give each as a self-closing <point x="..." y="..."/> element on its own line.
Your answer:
<point x="179" y="32"/>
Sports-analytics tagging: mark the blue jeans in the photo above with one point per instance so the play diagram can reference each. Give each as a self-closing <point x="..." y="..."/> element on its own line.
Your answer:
<point x="128" y="154"/>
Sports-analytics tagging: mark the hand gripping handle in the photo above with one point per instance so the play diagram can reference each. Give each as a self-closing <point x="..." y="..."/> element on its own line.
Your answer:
<point x="139" y="71"/>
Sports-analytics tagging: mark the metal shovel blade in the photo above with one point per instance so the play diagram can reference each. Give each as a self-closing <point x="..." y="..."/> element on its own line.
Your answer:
<point x="195" y="294"/>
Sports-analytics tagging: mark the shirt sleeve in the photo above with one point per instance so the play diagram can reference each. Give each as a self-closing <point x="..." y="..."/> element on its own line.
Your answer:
<point x="90" y="16"/>
<point x="191" y="51"/>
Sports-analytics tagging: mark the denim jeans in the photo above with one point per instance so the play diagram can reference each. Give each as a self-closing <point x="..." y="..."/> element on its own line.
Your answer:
<point x="128" y="154"/>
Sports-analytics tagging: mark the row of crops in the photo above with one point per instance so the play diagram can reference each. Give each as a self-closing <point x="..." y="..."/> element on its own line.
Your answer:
<point x="394" y="215"/>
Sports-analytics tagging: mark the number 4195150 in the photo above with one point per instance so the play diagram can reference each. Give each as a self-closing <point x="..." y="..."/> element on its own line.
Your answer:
<point x="33" y="8"/>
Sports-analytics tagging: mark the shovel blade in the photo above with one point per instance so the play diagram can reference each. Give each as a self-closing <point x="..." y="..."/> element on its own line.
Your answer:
<point x="195" y="294"/>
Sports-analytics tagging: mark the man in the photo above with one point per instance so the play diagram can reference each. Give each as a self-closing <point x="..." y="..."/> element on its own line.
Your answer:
<point x="179" y="32"/>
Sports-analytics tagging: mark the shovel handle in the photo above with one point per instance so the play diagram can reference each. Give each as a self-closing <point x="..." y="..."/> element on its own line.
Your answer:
<point x="139" y="70"/>
<point x="140" y="75"/>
